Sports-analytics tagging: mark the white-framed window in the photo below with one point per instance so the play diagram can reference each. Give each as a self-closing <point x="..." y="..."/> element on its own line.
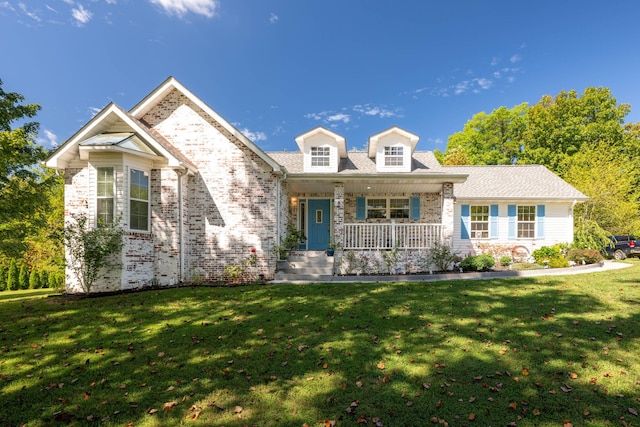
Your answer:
<point x="138" y="200"/>
<point x="320" y="156"/>
<point x="105" y="195"/>
<point x="393" y="156"/>
<point x="526" y="221"/>
<point x="388" y="208"/>
<point x="479" y="220"/>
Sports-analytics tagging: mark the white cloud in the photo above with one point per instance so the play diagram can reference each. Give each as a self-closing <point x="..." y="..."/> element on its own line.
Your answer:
<point x="51" y="138"/>
<point x="30" y="13"/>
<point x="377" y="110"/>
<point x="94" y="110"/>
<point x="484" y="83"/>
<point x="273" y="18"/>
<point x="254" y="136"/>
<point x="339" y="117"/>
<point x="181" y="8"/>
<point x="515" y="58"/>
<point x="81" y="15"/>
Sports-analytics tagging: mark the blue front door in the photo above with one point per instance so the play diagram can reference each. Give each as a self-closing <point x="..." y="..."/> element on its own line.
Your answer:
<point x="319" y="224"/>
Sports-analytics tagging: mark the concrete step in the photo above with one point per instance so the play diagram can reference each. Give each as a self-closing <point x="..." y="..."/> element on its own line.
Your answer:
<point x="296" y="277"/>
<point x="312" y="264"/>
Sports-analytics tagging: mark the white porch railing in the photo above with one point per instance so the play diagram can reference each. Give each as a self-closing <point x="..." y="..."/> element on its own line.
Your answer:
<point x="391" y="235"/>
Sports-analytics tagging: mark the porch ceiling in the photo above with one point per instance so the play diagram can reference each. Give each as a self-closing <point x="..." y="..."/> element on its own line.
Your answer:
<point x="370" y="184"/>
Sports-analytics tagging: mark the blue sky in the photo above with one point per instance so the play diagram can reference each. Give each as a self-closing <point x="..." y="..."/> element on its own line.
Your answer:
<point x="276" y="69"/>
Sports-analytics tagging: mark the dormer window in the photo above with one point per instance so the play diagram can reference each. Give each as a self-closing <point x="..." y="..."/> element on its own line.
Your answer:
<point x="393" y="156"/>
<point x="320" y="156"/>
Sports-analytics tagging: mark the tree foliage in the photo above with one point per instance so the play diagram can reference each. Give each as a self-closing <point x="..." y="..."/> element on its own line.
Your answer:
<point x="582" y="138"/>
<point x="489" y="139"/>
<point x="23" y="183"/>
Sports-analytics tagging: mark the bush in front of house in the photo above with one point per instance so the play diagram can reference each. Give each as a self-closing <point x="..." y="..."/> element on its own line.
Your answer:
<point x="546" y="253"/>
<point x="505" y="260"/>
<point x="477" y="262"/>
<point x="584" y="256"/>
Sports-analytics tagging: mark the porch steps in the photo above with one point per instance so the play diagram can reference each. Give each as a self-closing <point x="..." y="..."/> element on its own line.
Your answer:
<point x="306" y="265"/>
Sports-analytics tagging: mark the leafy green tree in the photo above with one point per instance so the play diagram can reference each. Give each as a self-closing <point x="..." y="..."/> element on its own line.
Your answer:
<point x="563" y="125"/>
<point x="13" y="277"/>
<point x="23" y="277"/>
<point x="489" y="139"/>
<point x="601" y="172"/>
<point x="3" y="277"/>
<point x="23" y="182"/>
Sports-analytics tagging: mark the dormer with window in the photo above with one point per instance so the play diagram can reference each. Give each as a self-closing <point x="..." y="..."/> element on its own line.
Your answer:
<point x="392" y="149"/>
<point x="322" y="150"/>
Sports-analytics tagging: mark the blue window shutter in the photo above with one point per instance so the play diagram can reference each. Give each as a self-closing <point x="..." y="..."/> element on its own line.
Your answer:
<point x="361" y="208"/>
<point x="540" y="212"/>
<point x="493" y="221"/>
<point x="465" y="219"/>
<point x="414" y="204"/>
<point x="512" y="212"/>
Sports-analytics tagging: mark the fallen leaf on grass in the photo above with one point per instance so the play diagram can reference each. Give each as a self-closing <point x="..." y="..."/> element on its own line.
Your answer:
<point x="238" y="409"/>
<point x="633" y="411"/>
<point x="168" y="405"/>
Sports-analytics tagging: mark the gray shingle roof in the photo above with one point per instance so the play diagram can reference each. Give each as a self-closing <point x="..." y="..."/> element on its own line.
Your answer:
<point x="512" y="182"/>
<point x="357" y="162"/>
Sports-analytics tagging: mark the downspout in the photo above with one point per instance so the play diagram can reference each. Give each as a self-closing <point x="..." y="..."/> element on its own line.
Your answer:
<point x="180" y="173"/>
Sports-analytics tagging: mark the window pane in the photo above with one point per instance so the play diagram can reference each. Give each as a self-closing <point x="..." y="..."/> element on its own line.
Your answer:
<point x="399" y="208"/>
<point x="139" y="185"/>
<point x="105" y="182"/>
<point x="479" y="222"/>
<point x="320" y="156"/>
<point x="139" y="215"/>
<point x="393" y="156"/>
<point x="526" y="222"/>
<point x="105" y="211"/>
<point x="138" y="201"/>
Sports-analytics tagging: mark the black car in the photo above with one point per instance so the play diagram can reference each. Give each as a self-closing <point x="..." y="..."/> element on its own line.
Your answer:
<point x="623" y="246"/>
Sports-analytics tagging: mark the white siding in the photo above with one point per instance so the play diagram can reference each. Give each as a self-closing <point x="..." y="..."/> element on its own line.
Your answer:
<point x="321" y="140"/>
<point x="558" y="227"/>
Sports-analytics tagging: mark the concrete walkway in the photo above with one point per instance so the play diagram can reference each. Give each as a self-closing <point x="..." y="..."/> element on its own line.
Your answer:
<point x="607" y="265"/>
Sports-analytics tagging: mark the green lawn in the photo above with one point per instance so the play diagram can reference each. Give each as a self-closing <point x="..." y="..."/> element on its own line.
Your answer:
<point x="552" y="351"/>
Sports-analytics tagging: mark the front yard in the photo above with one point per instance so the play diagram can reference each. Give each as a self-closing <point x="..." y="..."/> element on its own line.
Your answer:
<point x="545" y="351"/>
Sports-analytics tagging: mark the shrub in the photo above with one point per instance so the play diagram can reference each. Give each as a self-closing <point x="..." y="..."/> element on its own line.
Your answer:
<point x="3" y="278"/>
<point x="558" y="262"/>
<point x="13" y="277"/>
<point x="44" y="279"/>
<point x="546" y="253"/>
<point x="477" y="263"/>
<point x="23" y="278"/>
<point x="505" y="260"/>
<point x="34" y="280"/>
<point x="442" y="257"/>
<point x="586" y="256"/>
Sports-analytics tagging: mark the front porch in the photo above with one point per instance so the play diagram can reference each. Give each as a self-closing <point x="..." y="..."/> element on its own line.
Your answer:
<point x="356" y="216"/>
<point x="363" y="236"/>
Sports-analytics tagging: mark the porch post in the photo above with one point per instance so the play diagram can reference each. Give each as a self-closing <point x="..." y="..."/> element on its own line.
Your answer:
<point x="338" y="216"/>
<point x="448" y="201"/>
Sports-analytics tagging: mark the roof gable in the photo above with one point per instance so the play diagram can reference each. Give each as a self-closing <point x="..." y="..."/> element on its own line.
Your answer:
<point x="171" y="84"/>
<point x="101" y="133"/>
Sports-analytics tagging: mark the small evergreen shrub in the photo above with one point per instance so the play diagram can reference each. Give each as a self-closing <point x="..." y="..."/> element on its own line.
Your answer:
<point x="477" y="263"/>
<point x="3" y="278"/>
<point x="23" y="278"/>
<point x="505" y="260"/>
<point x="34" y="280"/>
<point x="13" y="278"/>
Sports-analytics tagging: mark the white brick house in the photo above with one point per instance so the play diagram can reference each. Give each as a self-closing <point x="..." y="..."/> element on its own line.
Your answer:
<point x="195" y="195"/>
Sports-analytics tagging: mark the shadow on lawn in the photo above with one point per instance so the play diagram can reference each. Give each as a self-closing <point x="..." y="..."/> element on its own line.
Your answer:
<point x="287" y="355"/>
